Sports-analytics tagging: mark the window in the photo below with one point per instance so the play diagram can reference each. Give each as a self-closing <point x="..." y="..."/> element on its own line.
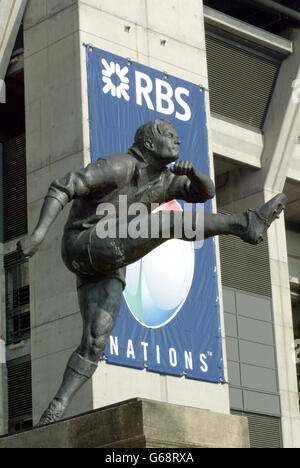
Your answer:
<point x="17" y="299"/>
<point x="241" y="78"/>
<point x="14" y="188"/>
<point x="264" y="431"/>
<point x="19" y="394"/>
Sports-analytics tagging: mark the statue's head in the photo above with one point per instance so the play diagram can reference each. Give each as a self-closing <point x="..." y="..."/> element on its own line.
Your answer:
<point x="158" y="138"/>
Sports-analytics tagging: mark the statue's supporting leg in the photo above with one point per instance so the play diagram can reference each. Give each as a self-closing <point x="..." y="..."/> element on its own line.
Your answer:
<point x="99" y="304"/>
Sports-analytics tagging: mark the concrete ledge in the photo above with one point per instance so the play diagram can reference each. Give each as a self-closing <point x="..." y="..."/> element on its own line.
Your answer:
<point x="247" y="31"/>
<point x="139" y="423"/>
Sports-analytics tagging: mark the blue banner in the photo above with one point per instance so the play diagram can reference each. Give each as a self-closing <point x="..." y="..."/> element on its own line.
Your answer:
<point x="169" y="319"/>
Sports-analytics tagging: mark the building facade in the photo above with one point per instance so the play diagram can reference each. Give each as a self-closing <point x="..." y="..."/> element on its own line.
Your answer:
<point x="247" y="58"/>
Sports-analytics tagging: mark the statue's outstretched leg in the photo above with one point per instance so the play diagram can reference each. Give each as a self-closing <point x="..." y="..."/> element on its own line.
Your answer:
<point x="99" y="304"/>
<point x="251" y="226"/>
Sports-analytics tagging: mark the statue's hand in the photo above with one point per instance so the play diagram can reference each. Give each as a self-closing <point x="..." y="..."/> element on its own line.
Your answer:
<point x="29" y="245"/>
<point x="182" y="168"/>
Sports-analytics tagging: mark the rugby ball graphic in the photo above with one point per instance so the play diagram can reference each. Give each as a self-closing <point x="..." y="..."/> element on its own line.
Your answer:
<point x="159" y="283"/>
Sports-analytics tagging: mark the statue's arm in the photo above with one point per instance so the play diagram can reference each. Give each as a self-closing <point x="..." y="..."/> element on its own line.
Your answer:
<point x="74" y="185"/>
<point x="199" y="187"/>
<point x="61" y="191"/>
<point x="49" y="212"/>
<point x="202" y="185"/>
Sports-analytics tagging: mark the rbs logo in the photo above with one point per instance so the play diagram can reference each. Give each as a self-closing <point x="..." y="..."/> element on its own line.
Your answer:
<point x="156" y="94"/>
<point x="165" y="96"/>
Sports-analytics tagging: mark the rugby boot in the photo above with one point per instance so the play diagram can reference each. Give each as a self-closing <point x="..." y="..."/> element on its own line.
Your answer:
<point x="260" y="219"/>
<point x="53" y="413"/>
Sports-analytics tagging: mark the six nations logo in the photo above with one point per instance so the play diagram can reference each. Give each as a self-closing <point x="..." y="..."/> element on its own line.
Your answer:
<point x="158" y="285"/>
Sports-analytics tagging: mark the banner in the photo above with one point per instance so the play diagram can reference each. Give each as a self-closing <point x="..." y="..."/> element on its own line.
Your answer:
<point x="169" y="319"/>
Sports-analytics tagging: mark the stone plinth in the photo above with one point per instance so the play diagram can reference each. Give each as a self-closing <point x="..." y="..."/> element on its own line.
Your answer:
<point x="139" y="423"/>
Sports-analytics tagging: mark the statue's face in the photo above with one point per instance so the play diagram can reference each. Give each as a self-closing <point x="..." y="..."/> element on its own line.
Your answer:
<point x="165" y="145"/>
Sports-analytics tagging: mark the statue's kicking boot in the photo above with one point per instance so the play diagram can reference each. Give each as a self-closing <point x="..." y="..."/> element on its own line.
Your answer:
<point x="78" y="371"/>
<point x="53" y="413"/>
<point x="260" y="219"/>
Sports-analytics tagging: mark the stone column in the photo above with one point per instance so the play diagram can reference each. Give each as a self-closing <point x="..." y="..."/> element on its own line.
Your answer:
<point x="248" y="188"/>
<point x="282" y="130"/>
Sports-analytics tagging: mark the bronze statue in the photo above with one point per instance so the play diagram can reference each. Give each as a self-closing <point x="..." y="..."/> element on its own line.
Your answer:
<point x="100" y="263"/>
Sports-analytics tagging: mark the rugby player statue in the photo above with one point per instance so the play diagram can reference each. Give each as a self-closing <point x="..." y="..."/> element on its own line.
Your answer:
<point x="143" y="175"/>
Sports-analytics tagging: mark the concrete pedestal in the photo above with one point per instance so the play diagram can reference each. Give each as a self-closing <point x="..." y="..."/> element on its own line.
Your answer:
<point x="139" y="423"/>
